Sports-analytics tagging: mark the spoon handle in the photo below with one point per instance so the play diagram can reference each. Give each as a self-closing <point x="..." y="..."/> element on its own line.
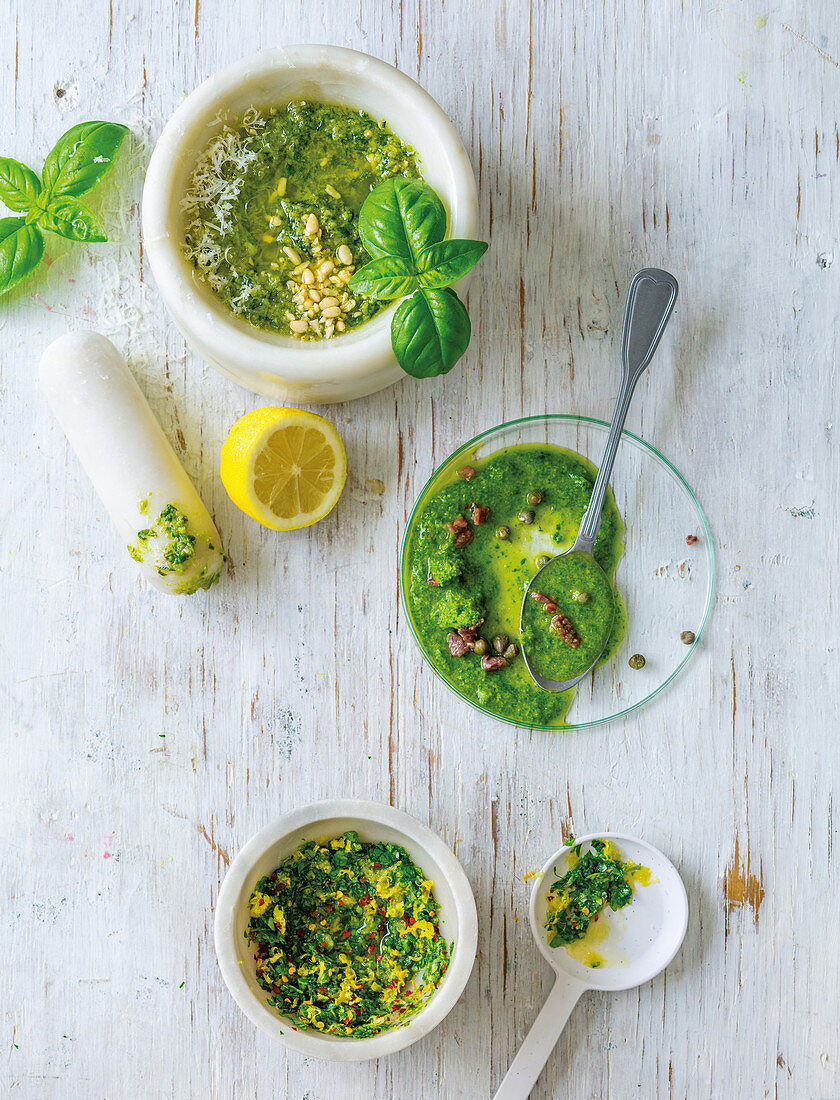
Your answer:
<point x="540" y="1040"/>
<point x="650" y="302"/>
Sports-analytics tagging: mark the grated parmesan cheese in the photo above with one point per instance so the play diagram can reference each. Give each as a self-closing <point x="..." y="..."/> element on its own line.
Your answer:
<point x="208" y="202"/>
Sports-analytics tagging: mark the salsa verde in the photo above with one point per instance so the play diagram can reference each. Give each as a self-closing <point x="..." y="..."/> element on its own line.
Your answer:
<point x="456" y="579"/>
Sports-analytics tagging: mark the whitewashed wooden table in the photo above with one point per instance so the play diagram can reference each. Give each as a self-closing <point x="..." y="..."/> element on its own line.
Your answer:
<point x="145" y="738"/>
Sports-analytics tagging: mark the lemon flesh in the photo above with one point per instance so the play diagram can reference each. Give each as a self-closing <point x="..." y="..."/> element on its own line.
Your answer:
<point x="285" y="468"/>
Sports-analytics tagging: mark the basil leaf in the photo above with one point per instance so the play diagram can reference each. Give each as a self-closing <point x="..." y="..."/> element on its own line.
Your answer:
<point x="400" y="217"/>
<point x="21" y="249"/>
<point x="387" y="277"/>
<point x="446" y="262"/>
<point x="19" y="185"/>
<point x="430" y="331"/>
<point x="81" y="157"/>
<point x="70" y="218"/>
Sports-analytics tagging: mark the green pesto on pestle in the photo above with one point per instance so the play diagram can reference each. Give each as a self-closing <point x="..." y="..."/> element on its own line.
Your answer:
<point x="170" y="547"/>
<point x="450" y="588"/>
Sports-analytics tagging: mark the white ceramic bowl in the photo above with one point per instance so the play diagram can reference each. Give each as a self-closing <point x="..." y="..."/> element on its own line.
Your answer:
<point x="358" y="362"/>
<point x="373" y="821"/>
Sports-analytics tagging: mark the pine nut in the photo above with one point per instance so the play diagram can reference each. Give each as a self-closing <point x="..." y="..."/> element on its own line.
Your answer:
<point x="327" y="302"/>
<point x="307" y="276"/>
<point x="298" y="326"/>
<point x="315" y="295"/>
<point x="281" y="186"/>
<point x="325" y="268"/>
<point x="340" y="326"/>
<point x="332" y="191"/>
<point x="312" y="226"/>
<point x="290" y="252"/>
<point x="344" y="254"/>
<point x="331" y="311"/>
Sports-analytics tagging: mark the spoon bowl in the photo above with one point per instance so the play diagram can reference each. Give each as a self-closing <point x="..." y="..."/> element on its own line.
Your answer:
<point x="641" y="941"/>
<point x="590" y="648"/>
<point x="643" y="937"/>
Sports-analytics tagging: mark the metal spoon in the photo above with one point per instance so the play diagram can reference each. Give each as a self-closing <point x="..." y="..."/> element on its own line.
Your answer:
<point x="650" y="302"/>
<point x="648" y="933"/>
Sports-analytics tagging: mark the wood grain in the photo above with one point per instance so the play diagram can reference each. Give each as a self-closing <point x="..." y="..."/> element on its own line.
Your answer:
<point x="145" y="739"/>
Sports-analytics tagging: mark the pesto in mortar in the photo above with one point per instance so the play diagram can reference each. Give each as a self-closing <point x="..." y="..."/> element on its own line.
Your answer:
<point x="346" y="937"/>
<point x="272" y="214"/>
<point x="451" y="587"/>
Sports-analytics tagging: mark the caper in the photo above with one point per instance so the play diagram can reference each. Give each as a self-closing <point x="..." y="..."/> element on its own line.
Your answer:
<point x="511" y="651"/>
<point x="636" y="661"/>
<point x="535" y="497"/>
<point x="527" y="516"/>
<point x="543" y="560"/>
<point x="687" y="636"/>
<point x="581" y="597"/>
<point x="480" y="647"/>
<point x="502" y="532"/>
<point x="501" y="642"/>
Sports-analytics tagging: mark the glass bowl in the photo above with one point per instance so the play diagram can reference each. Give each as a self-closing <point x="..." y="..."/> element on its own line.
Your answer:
<point x="666" y="583"/>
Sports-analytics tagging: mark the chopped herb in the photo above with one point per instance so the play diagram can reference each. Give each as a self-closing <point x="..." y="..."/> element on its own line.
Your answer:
<point x="599" y="877"/>
<point x="346" y="937"/>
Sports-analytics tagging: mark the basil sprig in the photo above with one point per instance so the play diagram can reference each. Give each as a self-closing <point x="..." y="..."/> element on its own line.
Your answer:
<point x="79" y="160"/>
<point x="402" y="224"/>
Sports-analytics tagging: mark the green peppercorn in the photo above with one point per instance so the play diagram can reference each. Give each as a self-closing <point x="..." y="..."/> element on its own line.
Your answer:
<point x="511" y="651"/>
<point x="636" y="661"/>
<point x="501" y="642"/>
<point x="687" y="636"/>
<point x="543" y="560"/>
<point x="480" y="647"/>
<point x="535" y="497"/>
<point x="581" y="597"/>
<point x="527" y="516"/>
<point x="502" y="532"/>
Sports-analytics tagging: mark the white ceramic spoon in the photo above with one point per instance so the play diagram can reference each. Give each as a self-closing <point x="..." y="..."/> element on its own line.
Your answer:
<point x="643" y="938"/>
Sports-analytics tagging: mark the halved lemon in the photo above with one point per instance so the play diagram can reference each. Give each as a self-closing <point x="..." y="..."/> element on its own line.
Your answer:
<point x="285" y="468"/>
